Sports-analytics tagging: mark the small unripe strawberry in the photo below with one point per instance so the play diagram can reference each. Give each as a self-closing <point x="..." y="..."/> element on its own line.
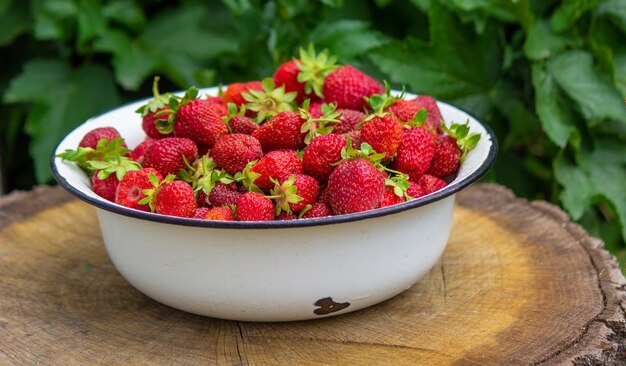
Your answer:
<point x="175" y="199"/>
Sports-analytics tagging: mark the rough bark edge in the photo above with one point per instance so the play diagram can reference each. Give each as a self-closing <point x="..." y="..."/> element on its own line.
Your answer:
<point x="19" y="205"/>
<point x="603" y="340"/>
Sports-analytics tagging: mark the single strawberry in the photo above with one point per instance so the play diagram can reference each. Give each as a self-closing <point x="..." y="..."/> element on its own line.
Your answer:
<point x="317" y="209"/>
<point x="276" y="165"/>
<point x="139" y="151"/>
<point x="305" y="75"/>
<point x="434" y="119"/>
<point x="171" y="154"/>
<point x="390" y="198"/>
<point x="322" y="152"/>
<point x="355" y="185"/>
<point x="447" y="157"/>
<point x="130" y="189"/>
<point x="294" y="193"/>
<point x="197" y="120"/>
<point x="451" y="149"/>
<point x="106" y="187"/>
<point x="415" y="190"/>
<point x="415" y="152"/>
<point x="324" y="196"/>
<point x="348" y="87"/>
<point x="242" y="124"/>
<point x="175" y="199"/>
<point x="284" y="216"/>
<point x="223" y="195"/>
<point x="355" y="137"/>
<point x="350" y="120"/>
<point x="281" y="132"/>
<point x="200" y="212"/>
<point x="404" y="110"/>
<point x="234" y="151"/>
<point x="154" y="113"/>
<point x="220" y="214"/>
<point x="430" y="183"/>
<point x="383" y="133"/>
<point x="92" y="137"/>
<point x="233" y="93"/>
<point x="253" y="206"/>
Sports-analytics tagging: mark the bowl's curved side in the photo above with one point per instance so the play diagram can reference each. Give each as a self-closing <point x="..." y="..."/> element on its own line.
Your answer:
<point x="127" y="122"/>
<point x="266" y="275"/>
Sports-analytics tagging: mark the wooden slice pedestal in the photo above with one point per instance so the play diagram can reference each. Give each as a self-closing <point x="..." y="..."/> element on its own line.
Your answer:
<point x="518" y="284"/>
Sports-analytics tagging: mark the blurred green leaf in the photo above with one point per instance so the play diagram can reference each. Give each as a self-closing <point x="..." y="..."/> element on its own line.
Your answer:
<point x="553" y="113"/>
<point x="346" y="38"/>
<point x="14" y="20"/>
<point x="456" y="63"/>
<point x="542" y="43"/>
<point x="124" y="12"/>
<point x="61" y="98"/>
<point x="616" y="10"/>
<point x="598" y="176"/>
<point x="575" y="74"/>
<point x="54" y="19"/>
<point x="91" y="21"/>
<point x="569" y="11"/>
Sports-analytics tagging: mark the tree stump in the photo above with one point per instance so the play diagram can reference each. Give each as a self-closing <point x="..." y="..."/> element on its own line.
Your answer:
<point x="518" y="284"/>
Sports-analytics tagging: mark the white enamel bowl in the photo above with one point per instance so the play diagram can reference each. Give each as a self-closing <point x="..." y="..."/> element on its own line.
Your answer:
<point x="280" y="270"/>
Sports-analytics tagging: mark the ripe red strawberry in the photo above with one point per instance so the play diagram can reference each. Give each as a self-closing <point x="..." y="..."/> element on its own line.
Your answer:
<point x="168" y="155"/>
<point x="447" y="157"/>
<point x="200" y="212"/>
<point x="219" y="108"/>
<point x="242" y="124"/>
<point x="347" y="87"/>
<point x="175" y="199"/>
<point x="324" y="196"/>
<point x="355" y="137"/>
<point x="390" y="198"/>
<point x="383" y="133"/>
<point x="355" y="185"/>
<point x="284" y="216"/>
<point x="149" y="123"/>
<point x="253" y="206"/>
<point x="350" y="120"/>
<point x="294" y="193"/>
<point x="139" y="151"/>
<point x="306" y="74"/>
<point x="318" y="209"/>
<point x="232" y="94"/>
<point x="433" y="122"/>
<point x="220" y="213"/>
<point x="415" y="152"/>
<point x="404" y="110"/>
<point x="130" y="189"/>
<point x="104" y="188"/>
<point x="198" y="121"/>
<point x="216" y="100"/>
<point x="92" y="137"/>
<point x="415" y="190"/>
<point x="430" y="183"/>
<point x="283" y="131"/>
<point x="276" y="164"/>
<point x="223" y="195"/>
<point x="321" y="153"/>
<point x="234" y="151"/>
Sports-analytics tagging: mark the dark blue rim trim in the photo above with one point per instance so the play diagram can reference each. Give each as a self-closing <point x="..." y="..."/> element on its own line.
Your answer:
<point x="436" y="196"/>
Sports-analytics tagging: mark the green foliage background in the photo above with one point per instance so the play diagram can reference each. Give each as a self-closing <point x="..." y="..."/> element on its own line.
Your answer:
<point x="548" y="76"/>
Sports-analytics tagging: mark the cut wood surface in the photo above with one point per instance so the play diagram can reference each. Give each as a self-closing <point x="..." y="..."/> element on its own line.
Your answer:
<point x="518" y="284"/>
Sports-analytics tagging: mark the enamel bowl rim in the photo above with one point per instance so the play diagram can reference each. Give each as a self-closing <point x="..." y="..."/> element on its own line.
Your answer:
<point x="449" y="190"/>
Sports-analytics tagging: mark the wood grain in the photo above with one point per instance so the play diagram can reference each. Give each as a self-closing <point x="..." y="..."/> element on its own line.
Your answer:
<point x="518" y="284"/>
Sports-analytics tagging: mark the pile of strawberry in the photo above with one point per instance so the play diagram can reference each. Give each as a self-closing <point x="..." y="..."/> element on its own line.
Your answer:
<point x="317" y="139"/>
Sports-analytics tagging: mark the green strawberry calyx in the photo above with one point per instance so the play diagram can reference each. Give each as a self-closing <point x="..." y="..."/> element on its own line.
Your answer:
<point x="400" y="183"/>
<point x="151" y="193"/>
<point x="465" y="140"/>
<point x="158" y="101"/>
<point x="284" y="194"/>
<point x="364" y="152"/>
<point x="247" y="178"/>
<point x="204" y="175"/>
<point x="270" y="101"/>
<point x="380" y="102"/>
<point x="323" y="125"/>
<point x="166" y="125"/>
<point x="105" y="151"/>
<point x="314" y="67"/>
